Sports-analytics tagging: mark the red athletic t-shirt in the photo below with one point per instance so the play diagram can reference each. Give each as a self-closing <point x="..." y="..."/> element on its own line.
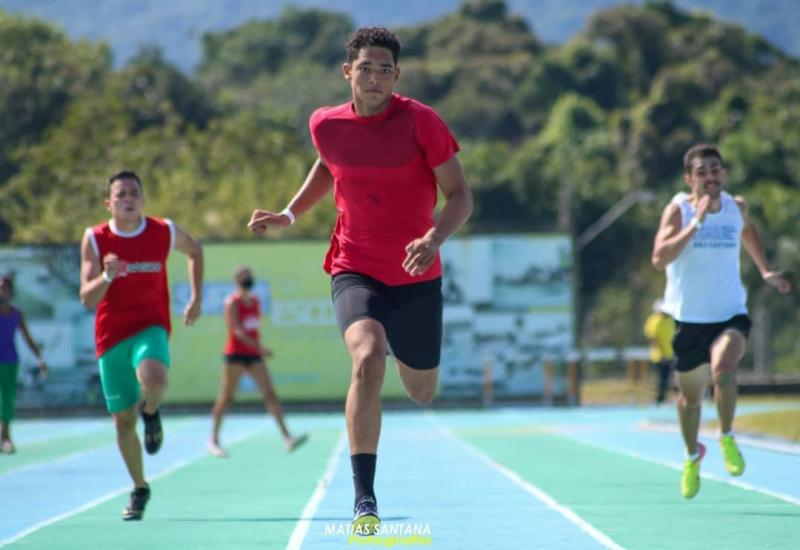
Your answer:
<point x="250" y="318"/>
<point x="384" y="184"/>
<point x="138" y="297"/>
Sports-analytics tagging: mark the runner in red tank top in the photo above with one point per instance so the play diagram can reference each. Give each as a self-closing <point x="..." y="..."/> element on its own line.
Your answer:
<point x="384" y="156"/>
<point x="124" y="275"/>
<point x="245" y="354"/>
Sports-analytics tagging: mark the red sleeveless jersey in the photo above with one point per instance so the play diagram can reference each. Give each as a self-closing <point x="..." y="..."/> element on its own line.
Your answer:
<point x="250" y="319"/>
<point x="138" y="297"/>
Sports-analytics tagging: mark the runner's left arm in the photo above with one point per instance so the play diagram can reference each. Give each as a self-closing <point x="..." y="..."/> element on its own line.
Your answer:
<point x="752" y="243"/>
<point x="421" y="253"/>
<point x="26" y="335"/>
<point x="194" y="251"/>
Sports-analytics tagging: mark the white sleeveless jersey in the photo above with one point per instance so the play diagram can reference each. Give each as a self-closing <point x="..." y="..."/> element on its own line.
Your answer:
<point x="704" y="283"/>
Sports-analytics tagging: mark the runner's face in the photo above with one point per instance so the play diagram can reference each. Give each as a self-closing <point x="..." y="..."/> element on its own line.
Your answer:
<point x="125" y="200"/>
<point x="244" y="279"/>
<point x="707" y="177"/>
<point x="372" y="77"/>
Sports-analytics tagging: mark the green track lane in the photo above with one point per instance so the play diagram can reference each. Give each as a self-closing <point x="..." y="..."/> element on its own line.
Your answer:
<point x="637" y="503"/>
<point x="251" y="500"/>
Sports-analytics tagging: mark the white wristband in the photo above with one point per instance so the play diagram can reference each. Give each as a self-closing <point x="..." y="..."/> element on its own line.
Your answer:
<point x="289" y="214"/>
<point x="697" y="224"/>
<point x="106" y="277"/>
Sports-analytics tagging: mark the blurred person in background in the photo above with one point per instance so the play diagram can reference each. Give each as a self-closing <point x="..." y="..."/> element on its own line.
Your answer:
<point x="659" y="328"/>
<point x="244" y="354"/>
<point x="11" y="320"/>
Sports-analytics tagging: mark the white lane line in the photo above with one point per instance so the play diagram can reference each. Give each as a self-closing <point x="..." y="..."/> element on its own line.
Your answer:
<point x="765" y="444"/>
<point x="531" y="489"/>
<point x="112" y="494"/>
<point x="180" y="428"/>
<point x="57" y="460"/>
<point x="679" y="467"/>
<point x="304" y="523"/>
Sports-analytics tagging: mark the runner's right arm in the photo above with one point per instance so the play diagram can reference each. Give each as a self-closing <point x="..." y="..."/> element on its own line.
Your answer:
<point x="93" y="282"/>
<point x="671" y="239"/>
<point x="317" y="184"/>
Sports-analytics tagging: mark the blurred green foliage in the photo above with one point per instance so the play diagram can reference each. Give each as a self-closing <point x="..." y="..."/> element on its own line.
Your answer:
<point x="552" y="136"/>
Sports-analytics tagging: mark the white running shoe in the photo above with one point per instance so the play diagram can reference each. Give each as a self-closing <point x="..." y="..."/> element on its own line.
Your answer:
<point x="215" y="450"/>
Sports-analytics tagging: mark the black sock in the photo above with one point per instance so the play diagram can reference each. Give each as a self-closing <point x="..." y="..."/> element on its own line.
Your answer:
<point x="363" y="465"/>
<point x="149" y="417"/>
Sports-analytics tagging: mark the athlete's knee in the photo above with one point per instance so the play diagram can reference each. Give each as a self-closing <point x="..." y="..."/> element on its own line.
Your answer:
<point x="154" y="380"/>
<point x="369" y="363"/>
<point x="223" y="402"/>
<point x="269" y="395"/>
<point x="368" y="351"/>
<point x="690" y="402"/>
<point x="423" y="395"/>
<point x="125" y="423"/>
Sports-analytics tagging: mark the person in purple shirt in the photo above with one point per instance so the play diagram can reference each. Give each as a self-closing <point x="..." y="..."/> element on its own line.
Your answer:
<point x="11" y="319"/>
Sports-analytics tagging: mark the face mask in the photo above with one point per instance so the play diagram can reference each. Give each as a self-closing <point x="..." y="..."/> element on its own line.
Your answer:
<point x="246" y="284"/>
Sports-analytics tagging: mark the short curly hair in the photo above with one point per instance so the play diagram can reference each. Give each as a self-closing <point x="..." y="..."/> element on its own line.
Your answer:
<point x="365" y="37"/>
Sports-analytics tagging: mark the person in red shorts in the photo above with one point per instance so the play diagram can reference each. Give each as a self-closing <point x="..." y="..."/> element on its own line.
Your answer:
<point x="124" y="274"/>
<point x="385" y="156"/>
<point x="245" y="354"/>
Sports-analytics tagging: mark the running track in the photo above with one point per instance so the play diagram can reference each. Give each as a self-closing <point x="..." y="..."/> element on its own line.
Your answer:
<point x="501" y="478"/>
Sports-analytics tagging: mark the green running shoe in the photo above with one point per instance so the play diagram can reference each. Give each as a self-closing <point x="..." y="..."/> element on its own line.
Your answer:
<point x="366" y="521"/>
<point x="690" y="480"/>
<point x="734" y="462"/>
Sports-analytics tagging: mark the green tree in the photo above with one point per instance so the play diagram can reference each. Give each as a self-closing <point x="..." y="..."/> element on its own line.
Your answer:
<point x="41" y="71"/>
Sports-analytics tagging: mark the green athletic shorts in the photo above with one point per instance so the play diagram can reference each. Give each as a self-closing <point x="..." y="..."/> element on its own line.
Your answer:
<point x="8" y="390"/>
<point x="118" y="366"/>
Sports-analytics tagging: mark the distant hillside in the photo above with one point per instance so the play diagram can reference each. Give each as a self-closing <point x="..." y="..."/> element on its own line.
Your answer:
<point x="178" y="25"/>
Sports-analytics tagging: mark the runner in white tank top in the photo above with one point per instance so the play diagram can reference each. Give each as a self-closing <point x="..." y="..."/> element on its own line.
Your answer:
<point x="698" y="243"/>
<point x="703" y="282"/>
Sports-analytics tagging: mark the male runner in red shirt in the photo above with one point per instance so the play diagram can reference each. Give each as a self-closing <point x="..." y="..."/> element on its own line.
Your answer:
<point x="384" y="156"/>
<point x="124" y="274"/>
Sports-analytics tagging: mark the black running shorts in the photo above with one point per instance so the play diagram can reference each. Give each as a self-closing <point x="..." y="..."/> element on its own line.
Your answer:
<point x="410" y="314"/>
<point x="692" y="341"/>
<point x="246" y="361"/>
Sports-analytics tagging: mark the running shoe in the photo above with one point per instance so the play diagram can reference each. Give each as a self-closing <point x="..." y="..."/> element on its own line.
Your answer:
<point x="215" y="450"/>
<point x="366" y="521"/>
<point x="690" y="480"/>
<point x="135" y="509"/>
<point x="293" y="443"/>
<point x="7" y="447"/>
<point x="153" y="433"/>
<point x="734" y="462"/>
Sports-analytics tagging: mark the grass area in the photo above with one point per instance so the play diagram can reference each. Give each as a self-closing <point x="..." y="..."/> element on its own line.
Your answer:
<point x="622" y="391"/>
<point x="784" y="424"/>
<point x="619" y="391"/>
